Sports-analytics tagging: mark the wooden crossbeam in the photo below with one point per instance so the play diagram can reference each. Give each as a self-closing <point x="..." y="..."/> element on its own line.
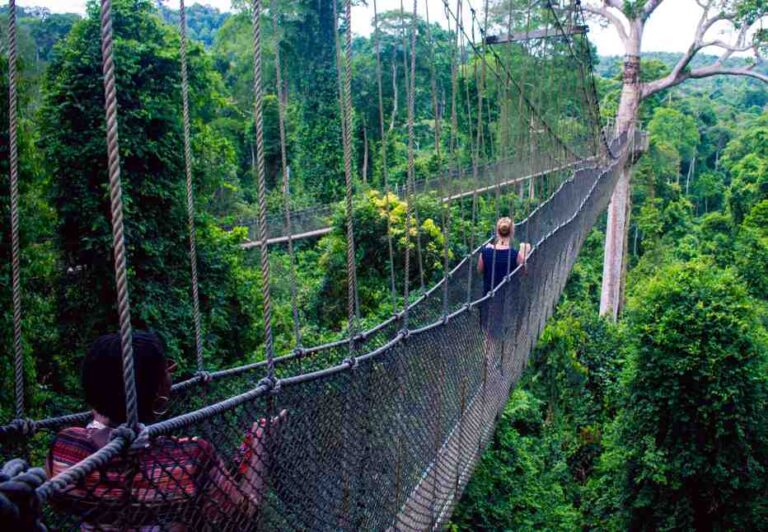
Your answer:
<point x="535" y="34"/>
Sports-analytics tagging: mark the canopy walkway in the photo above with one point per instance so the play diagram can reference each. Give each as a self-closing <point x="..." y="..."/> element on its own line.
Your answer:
<point x="312" y="222"/>
<point x="379" y="429"/>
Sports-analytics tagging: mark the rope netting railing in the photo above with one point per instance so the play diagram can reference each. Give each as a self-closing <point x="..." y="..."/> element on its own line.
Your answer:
<point x="381" y="427"/>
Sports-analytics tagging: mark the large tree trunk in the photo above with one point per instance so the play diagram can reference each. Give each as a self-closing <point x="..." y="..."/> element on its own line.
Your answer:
<point x="618" y="210"/>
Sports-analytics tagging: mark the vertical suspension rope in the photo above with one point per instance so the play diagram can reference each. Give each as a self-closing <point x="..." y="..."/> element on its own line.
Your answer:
<point x="339" y="72"/>
<point x="190" y="190"/>
<point x="116" y="207"/>
<point x="347" y="141"/>
<point x="410" y="178"/>
<point x="258" y="120"/>
<point x="18" y="352"/>
<point x="475" y="149"/>
<point x="384" y="169"/>
<point x="409" y="69"/>
<point x="281" y="104"/>
<point x="525" y="131"/>
<point x="445" y="193"/>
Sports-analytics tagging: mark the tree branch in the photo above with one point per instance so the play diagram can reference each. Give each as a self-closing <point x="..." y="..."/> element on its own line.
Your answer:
<point x="701" y="28"/>
<point x="650" y="7"/>
<point x="719" y="70"/>
<point x="680" y="72"/>
<point x="715" y="69"/>
<point x="604" y="12"/>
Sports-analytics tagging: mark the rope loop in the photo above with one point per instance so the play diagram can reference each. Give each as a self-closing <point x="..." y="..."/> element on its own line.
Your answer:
<point x="24" y="426"/>
<point x="206" y="377"/>
<point x="358" y="339"/>
<point x="272" y="384"/>
<point x="137" y="438"/>
<point x="20" y="506"/>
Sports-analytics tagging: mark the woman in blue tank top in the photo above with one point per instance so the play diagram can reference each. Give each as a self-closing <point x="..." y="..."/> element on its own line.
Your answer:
<point x="496" y="261"/>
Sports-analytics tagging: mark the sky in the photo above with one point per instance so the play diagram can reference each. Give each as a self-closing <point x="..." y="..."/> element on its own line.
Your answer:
<point x="670" y="29"/>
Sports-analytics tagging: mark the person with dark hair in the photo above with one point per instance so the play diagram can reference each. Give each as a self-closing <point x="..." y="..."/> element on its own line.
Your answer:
<point x="497" y="260"/>
<point x="102" y="377"/>
<point x="168" y="471"/>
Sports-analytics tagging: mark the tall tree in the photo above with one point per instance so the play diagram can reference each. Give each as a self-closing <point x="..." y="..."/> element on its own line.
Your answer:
<point x="687" y="450"/>
<point x="629" y="18"/>
<point x="73" y="139"/>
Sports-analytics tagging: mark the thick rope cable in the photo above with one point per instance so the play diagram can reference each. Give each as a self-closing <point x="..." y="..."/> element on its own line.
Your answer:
<point x="190" y="189"/>
<point x="347" y="142"/>
<point x="444" y="191"/>
<point x="339" y="70"/>
<point x="507" y="139"/>
<point x="433" y="84"/>
<point x="258" y="120"/>
<point x="116" y="207"/>
<point x="409" y="69"/>
<point x="384" y="162"/>
<point x="409" y="193"/>
<point x="18" y="351"/>
<point x="475" y="150"/>
<point x="281" y="112"/>
<point x="461" y="47"/>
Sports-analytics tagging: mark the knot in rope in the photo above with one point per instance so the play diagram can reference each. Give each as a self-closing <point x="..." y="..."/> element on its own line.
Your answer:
<point x="352" y="362"/>
<point x="137" y="441"/>
<point x="24" y="426"/>
<point x="271" y="383"/>
<point x="358" y="339"/>
<point x="205" y="376"/>
<point x="20" y="507"/>
<point x="299" y="351"/>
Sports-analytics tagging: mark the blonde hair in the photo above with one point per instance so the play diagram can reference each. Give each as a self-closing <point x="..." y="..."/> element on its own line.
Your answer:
<point x="505" y="228"/>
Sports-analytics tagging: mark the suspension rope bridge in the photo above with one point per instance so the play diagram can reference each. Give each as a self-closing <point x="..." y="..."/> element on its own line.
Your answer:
<point x="379" y="429"/>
